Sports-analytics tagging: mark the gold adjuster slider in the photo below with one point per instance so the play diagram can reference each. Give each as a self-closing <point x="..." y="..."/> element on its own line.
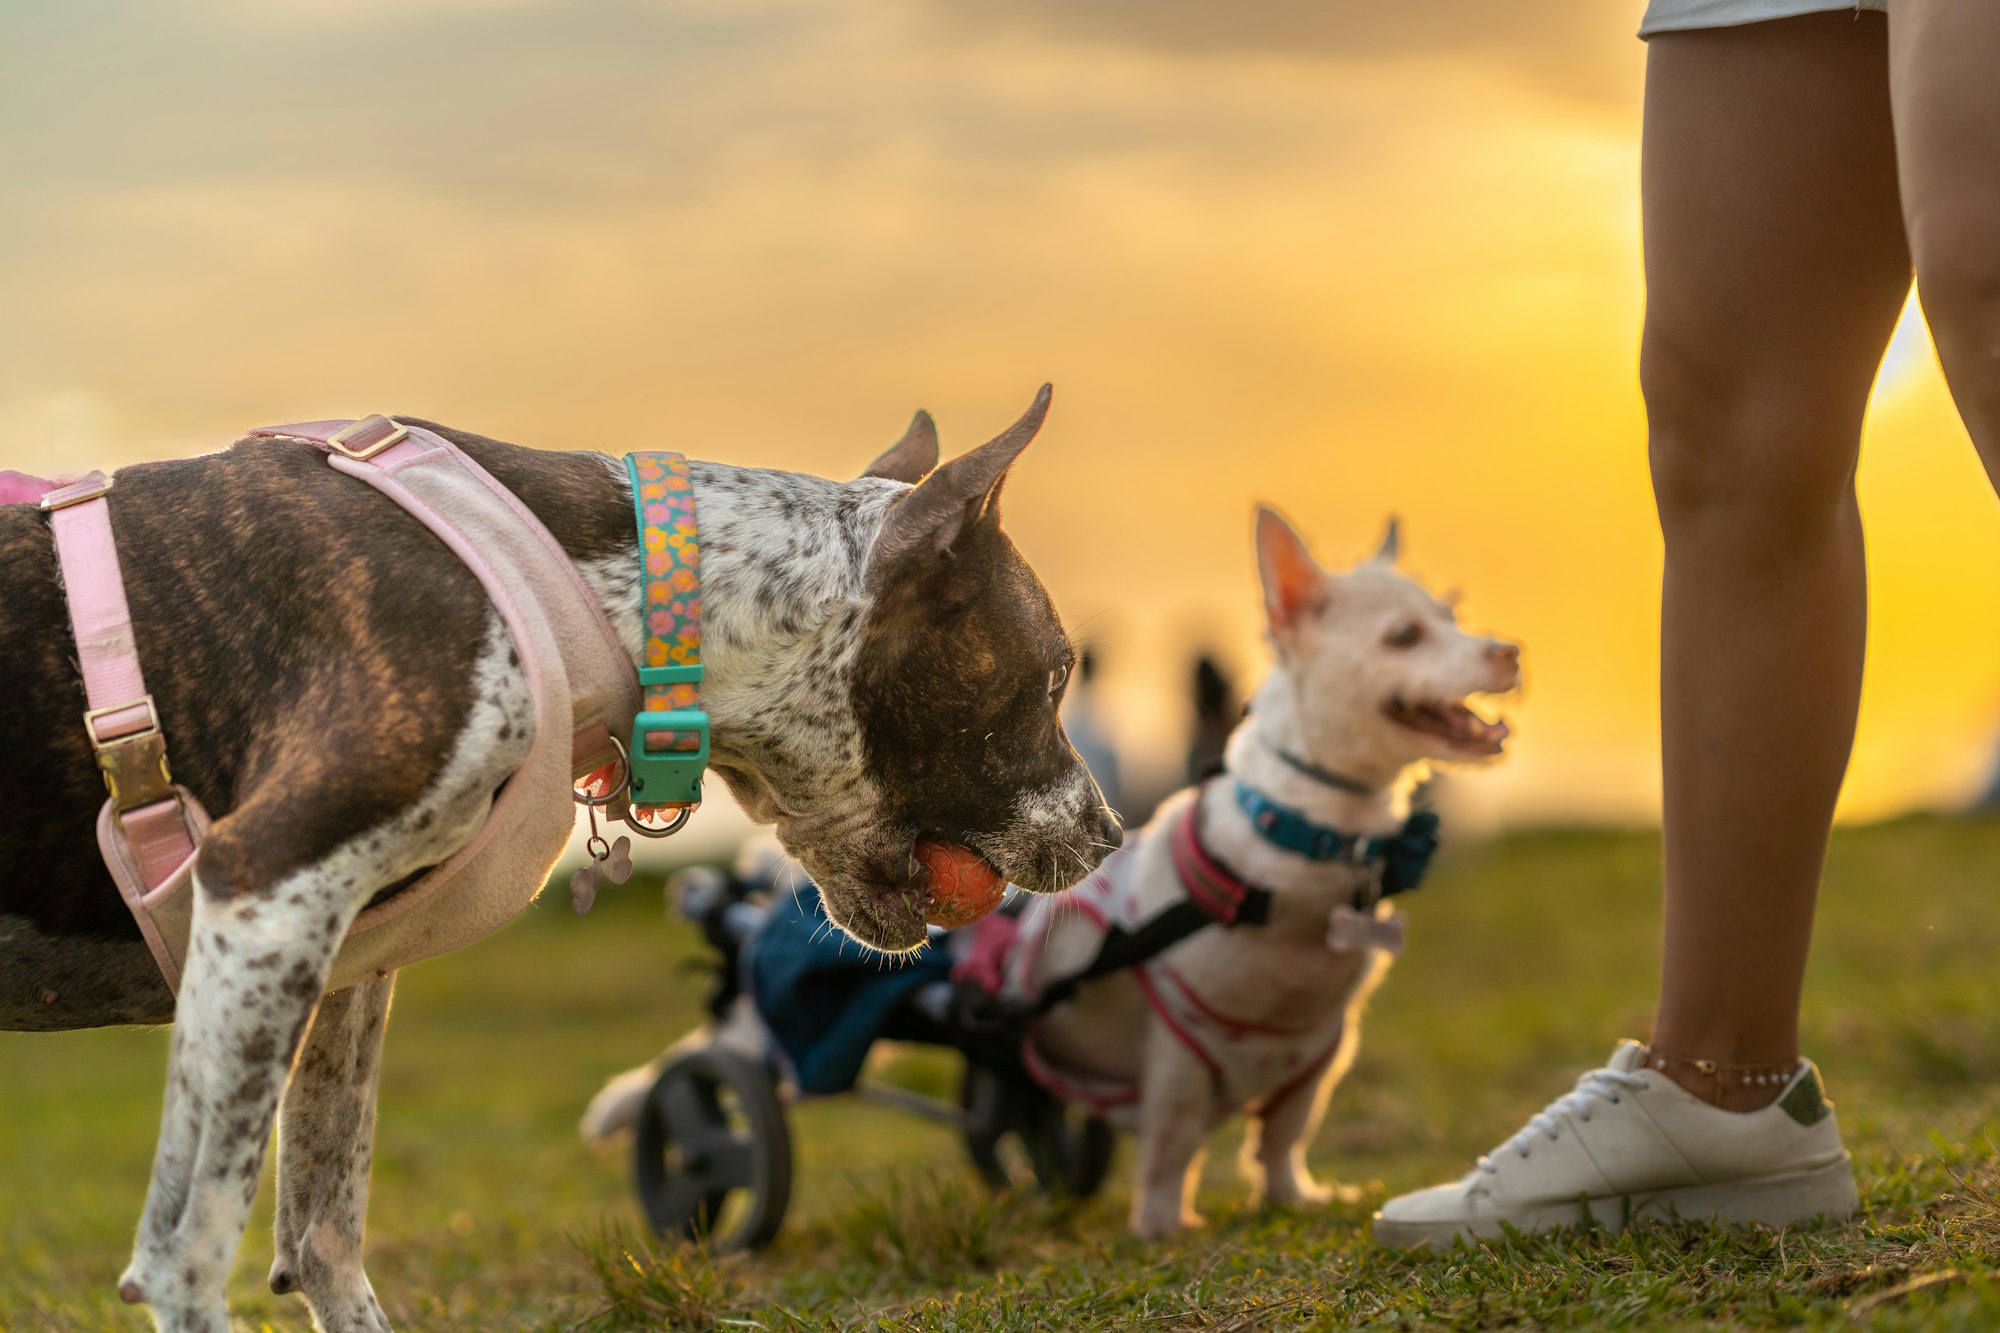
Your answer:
<point x="134" y="765"/>
<point x="82" y="492"/>
<point x="368" y="437"/>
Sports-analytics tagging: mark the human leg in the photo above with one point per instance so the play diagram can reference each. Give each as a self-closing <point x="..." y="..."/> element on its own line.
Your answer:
<point x="1775" y="268"/>
<point x="1942" y="60"/>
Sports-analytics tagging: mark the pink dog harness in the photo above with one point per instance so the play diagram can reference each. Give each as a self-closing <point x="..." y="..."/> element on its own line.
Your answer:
<point x="149" y="828"/>
<point x="585" y="689"/>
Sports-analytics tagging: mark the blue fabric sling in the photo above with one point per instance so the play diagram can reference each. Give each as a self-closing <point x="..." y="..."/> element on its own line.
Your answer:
<point x="825" y="998"/>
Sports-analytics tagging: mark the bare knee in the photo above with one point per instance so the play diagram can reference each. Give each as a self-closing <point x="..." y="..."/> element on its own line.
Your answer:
<point x="1958" y="280"/>
<point x="1750" y="453"/>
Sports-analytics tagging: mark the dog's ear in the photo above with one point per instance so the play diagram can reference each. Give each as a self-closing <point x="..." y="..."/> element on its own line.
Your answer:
<point x="952" y="500"/>
<point x="1294" y="584"/>
<point x="912" y="457"/>
<point x="1392" y="543"/>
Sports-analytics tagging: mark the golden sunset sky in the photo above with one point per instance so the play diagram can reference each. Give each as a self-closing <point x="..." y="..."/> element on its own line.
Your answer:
<point x="1350" y="259"/>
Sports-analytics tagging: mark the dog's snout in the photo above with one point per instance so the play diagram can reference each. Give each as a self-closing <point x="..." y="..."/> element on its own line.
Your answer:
<point x="1504" y="654"/>
<point x="1112" y="830"/>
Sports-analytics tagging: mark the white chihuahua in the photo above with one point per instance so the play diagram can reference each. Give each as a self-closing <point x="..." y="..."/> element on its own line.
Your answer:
<point x="1289" y="856"/>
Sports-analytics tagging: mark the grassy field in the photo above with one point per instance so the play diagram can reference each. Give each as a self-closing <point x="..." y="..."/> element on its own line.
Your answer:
<point x="1528" y="957"/>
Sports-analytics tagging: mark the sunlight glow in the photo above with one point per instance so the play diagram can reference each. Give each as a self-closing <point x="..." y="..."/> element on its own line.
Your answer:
<point x="1344" y="267"/>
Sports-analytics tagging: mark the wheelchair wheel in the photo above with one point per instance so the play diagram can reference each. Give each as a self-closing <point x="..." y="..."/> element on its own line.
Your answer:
<point x="1017" y="1134"/>
<point x="713" y="1153"/>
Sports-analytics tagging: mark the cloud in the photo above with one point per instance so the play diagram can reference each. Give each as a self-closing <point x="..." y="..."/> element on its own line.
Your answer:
<point x="373" y="15"/>
<point x="1350" y="260"/>
<point x="455" y="96"/>
<point x="1575" y="47"/>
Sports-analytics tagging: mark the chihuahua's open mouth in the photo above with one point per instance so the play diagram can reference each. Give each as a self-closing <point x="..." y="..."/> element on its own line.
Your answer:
<point x="1451" y="722"/>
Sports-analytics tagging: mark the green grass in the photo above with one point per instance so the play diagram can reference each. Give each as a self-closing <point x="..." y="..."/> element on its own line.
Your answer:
<point x="1528" y="957"/>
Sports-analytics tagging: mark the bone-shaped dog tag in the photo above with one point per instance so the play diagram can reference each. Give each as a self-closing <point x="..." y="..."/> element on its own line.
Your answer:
<point x="618" y="866"/>
<point x="583" y="888"/>
<point x="608" y="864"/>
<point x="1352" y="931"/>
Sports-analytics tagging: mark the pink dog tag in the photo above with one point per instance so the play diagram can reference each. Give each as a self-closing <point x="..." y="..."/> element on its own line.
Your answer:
<point x="1351" y="931"/>
<point x="608" y="865"/>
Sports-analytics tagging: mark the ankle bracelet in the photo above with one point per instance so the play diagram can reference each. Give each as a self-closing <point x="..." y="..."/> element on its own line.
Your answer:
<point x="1725" y="1075"/>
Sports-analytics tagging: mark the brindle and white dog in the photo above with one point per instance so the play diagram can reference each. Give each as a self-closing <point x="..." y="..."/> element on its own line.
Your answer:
<point x="341" y="697"/>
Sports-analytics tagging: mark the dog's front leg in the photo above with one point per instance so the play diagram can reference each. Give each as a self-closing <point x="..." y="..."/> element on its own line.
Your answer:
<point x="326" y="1130"/>
<point x="1177" y="1109"/>
<point x="256" y="965"/>
<point x="1274" y="1148"/>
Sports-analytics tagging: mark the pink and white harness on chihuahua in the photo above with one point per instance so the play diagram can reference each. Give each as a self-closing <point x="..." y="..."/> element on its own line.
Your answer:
<point x="1242" y="1057"/>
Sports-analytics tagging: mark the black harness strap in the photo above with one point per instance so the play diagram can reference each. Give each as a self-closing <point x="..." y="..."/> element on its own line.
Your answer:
<point x="1215" y="896"/>
<point x="1158" y="933"/>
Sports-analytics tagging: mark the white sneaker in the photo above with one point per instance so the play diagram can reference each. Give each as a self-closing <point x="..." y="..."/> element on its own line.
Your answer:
<point x="1631" y="1145"/>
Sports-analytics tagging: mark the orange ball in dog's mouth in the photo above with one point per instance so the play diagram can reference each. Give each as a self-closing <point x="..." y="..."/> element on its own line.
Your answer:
<point x="963" y="887"/>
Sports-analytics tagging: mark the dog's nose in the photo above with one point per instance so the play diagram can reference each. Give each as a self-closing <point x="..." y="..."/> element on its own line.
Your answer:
<point x="1504" y="654"/>
<point x="1113" y="830"/>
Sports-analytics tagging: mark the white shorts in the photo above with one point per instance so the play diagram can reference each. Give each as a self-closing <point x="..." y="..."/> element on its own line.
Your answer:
<point x="1679" y="15"/>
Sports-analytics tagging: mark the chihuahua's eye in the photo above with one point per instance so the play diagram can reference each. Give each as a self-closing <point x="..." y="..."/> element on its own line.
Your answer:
<point x="1057" y="679"/>
<point x="1407" y="635"/>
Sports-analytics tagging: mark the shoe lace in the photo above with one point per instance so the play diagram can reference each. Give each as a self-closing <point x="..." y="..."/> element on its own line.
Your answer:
<point x="1607" y="1085"/>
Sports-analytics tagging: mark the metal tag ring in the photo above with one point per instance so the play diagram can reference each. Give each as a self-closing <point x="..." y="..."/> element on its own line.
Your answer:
<point x="645" y="830"/>
<point x="582" y="797"/>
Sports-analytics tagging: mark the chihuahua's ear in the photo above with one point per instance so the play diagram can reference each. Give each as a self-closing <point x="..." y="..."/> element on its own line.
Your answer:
<point x="1392" y="543"/>
<point x="962" y="494"/>
<point x="1294" y="584"/>
<point x="912" y="457"/>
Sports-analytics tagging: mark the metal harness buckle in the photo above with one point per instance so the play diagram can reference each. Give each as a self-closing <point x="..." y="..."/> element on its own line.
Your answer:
<point x="359" y="441"/>
<point x="92" y="487"/>
<point x="134" y="765"/>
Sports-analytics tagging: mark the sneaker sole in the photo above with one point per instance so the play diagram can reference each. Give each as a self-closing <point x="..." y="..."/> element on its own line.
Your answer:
<point x="1825" y="1192"/>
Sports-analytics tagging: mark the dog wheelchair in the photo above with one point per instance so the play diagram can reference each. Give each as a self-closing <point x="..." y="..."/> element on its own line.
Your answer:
<point x="795" y="1010"/>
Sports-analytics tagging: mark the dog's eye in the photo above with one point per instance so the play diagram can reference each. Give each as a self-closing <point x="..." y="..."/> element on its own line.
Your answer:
<point x="1057" y="679"/>
<point x="1407" y="635"/>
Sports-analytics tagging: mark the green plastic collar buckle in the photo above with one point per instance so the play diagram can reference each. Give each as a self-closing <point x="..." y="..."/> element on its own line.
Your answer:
<point x="668" y="777"/>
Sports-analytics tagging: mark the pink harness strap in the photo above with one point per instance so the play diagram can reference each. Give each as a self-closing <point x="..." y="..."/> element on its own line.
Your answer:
<point x="149" y="828"/>
<point x="390" y="445"/>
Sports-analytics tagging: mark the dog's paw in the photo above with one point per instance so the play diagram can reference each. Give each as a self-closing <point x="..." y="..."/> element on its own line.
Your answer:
<point x="341" y="1301"/>
<point x="1165" y="1222"/>
<point x="174" y="1317"/>
<point x="190" y="1319"/>
<point x="176" y="1301"/>
<point x="1312" y="1194"/>
<point x="1307" y="1195"/>
<point x="354" y="1311"/>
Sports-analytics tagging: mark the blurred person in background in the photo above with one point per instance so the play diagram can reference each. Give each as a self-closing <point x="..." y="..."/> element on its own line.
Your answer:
<point x="1989" y="799"/>
<point x="1217" y="709"/>
<point x="1799" y="160"/>
<point x="1083" y="718"/>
